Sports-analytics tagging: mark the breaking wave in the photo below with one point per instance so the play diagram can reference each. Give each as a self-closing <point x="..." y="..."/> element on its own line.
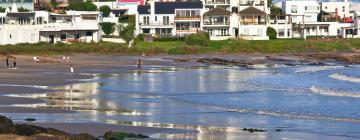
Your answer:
<point x="330" y="92"/>
<point x="270" y="112"/>
<point x="316" y="69"/>
<point x="345" y="78"/>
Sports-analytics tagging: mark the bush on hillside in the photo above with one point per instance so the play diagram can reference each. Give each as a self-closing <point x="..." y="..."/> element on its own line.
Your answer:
<point x="201" y="38"/>
<point x="105" y="10"/>
<point x="107" y="27"/>
<point x="82" y="6"/>
<point x="127" y="33"/>
<point x="271" y="32"/>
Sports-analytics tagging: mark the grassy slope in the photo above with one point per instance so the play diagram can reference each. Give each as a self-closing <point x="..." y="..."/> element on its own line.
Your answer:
<point x="179" y="47"/>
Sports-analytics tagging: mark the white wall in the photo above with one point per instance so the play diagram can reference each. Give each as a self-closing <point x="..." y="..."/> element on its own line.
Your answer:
<point x="343" y="8"/>
<point x="306" y="10"/>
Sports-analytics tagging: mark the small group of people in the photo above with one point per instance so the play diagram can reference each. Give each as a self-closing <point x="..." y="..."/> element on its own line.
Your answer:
<point x="8" y="61"/>
<point x="66" y="59"/>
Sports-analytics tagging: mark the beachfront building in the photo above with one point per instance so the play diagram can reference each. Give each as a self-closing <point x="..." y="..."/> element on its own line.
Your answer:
<point x="217" y="23"/>
<point x="253" y="19"/>
<point x="169" y="18"/>
<point x="220" y="18"/>
<point x="282" y="24"/>
<point x="42" y="26"/>
<point x="301" y="11"/>
<point x="335" y="11"/>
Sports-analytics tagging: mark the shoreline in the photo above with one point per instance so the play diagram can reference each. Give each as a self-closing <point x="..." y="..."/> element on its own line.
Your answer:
<point x="55" y="73"/>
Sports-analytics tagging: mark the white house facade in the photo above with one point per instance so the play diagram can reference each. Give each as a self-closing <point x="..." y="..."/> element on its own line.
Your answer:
<point x="41" y="26"/>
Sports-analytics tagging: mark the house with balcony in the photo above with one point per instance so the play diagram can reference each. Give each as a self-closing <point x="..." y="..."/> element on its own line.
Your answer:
<point x="301" y="11"/>
<point x="253" y="20"/>
<point x="282" y="24"/>
<point x="169" y="18"/>
<point x="42" y="26"/>
<point x="217" y="23"/>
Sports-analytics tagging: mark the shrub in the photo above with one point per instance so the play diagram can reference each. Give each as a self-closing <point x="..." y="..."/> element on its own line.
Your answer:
<point x="271" y="32"/>
<point x="82" y="6"/>
<point x="105" y="10"/>
<point x="107" y="27"/>
<point x="169" y="38"/>
<point x="127" y="33"/>
<point x="201" y="38"/>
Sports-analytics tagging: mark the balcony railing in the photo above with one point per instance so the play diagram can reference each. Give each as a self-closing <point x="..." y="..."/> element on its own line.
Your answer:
<point x="155" y="23"/>
<point x="187" y="29"/>
<point x="253" y="23"/>
<point x="216" y="23"/>
<point x="187" y="18"/>
<point x="217" y="2"/>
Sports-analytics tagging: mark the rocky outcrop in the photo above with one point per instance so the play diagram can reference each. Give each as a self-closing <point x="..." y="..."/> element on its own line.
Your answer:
<point x="22" y="130"/>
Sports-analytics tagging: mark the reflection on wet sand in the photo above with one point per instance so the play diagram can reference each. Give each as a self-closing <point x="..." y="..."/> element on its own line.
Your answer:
<point x="78" y="97"/>
<point x="183" y="131"/>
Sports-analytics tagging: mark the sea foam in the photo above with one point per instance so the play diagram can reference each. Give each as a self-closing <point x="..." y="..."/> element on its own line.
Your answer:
<point x="312" y="69"/>
<point x="330" y="92"/>
<point x="345" y="78"/>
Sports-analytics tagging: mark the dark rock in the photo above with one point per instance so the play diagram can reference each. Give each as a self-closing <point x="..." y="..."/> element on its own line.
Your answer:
<point x="252" y="130"/>
<point x="278" y="130"/>
<point x="121" y="135"/>
<point x="30" y="119"/>
<point x="82" y="137"/>
<point x="6" y="125"/>
<point x="28" y="130"/>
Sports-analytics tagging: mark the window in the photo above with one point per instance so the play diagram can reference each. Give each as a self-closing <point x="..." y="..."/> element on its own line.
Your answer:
<point x="166" y="20"/>
<point x="223" y="32"/>
<point x="288" y="32"/>
<point x="63" y="36"/>
<point x="293" y="8"/>
<point x="146" y="31"/>
<point x="89" y="33"/>
<point x="155" y="18"/>
<point x="210" y="31"/>
<point x="77" y="36"/>
<point x="325" y="7"/>
<point x="281" y="32"/>
<point x="146" y="20"/>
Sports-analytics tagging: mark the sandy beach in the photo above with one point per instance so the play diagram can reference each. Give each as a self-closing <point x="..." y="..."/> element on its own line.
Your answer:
<point x="32" y="77"/>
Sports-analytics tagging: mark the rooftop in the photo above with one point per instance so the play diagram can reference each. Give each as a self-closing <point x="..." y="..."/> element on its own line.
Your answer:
<point x="252" y="11"/>
<point x="169" y="7"/>
<point x="217" y="11"/>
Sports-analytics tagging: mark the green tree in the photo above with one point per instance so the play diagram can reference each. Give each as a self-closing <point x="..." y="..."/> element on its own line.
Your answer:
<point x="2" y="10"/>
<point x="22" y="9"/>
<point x="271" y="32"/>
<point x="274" y="9"/>
<point x="107" y="27"/>
<point x="127" y="33"/>
<point x="105" y="10"/>
<point x="201" y="38"/>
<point x="82" y="6"/>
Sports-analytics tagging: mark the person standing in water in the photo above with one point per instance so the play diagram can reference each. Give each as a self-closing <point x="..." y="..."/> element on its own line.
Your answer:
<point x="139" y="65"/>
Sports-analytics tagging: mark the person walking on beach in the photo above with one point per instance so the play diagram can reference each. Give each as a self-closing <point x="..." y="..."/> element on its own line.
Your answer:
<point x="14" y="62"/>
<point x="7" y="62"/>
<point x="71" y="69"/>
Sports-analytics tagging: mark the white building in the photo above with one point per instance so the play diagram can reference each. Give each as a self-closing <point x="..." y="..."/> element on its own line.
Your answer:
<point x="301" y="11"/>
<point x="337" y="8"/>
<point x="220" y="18"/>
<point x="41" y="26"/>
<point x="253" y="19"/>
<point x="169" y="18"/>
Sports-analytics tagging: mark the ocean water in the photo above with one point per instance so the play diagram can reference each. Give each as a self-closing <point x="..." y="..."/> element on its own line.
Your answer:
<point x="316" y="100"/>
